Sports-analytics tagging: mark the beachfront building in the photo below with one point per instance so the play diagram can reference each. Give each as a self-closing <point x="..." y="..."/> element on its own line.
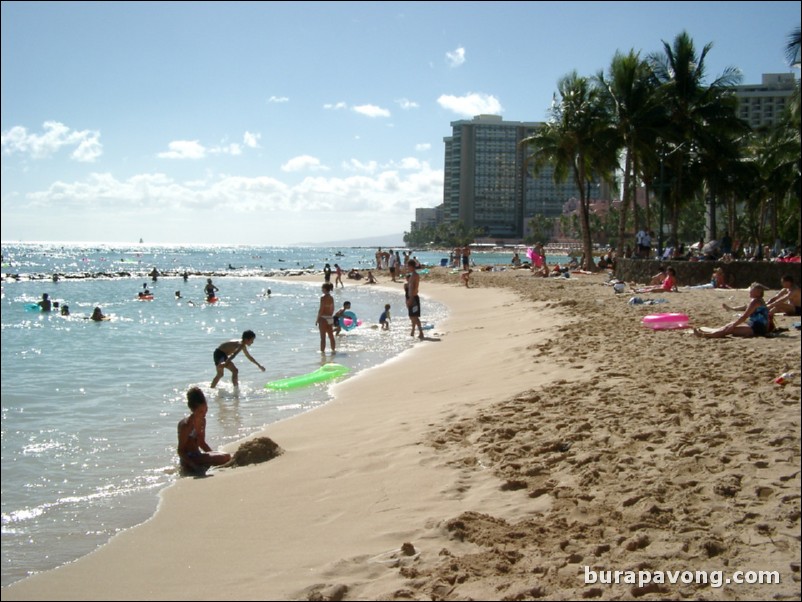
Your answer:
<point x="486" y="184"/>
<point x="762" y="105"/>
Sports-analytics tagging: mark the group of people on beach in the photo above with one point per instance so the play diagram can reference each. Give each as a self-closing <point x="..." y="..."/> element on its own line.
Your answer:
<point x="756" y="317"/>
<point x="329" y="321"/>
<point x="195" y="454"/>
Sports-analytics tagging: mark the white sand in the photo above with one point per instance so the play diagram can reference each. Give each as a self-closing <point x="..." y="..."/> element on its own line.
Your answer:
<point x="539" y="430"/>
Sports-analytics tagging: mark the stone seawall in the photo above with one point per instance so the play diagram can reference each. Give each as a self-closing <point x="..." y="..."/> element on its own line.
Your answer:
<point x="740" y="274"/>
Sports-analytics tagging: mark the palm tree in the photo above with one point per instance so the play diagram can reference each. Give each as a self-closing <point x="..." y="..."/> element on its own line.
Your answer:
<point x="577" y="139"/>
<point x="630" y="93"/>
<point x="697" y="113"/>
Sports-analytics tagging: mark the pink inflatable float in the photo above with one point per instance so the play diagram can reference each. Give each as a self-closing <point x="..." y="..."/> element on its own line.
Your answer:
<point x="665" y="321"/>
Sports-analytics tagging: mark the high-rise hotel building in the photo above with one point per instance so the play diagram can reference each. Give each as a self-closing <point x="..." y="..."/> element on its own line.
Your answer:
<point x="762" y="105"/>
<point x="486" y="184"/>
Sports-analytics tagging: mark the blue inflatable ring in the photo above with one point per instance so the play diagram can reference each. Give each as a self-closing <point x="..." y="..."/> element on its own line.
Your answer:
<point x="348" y="320"/>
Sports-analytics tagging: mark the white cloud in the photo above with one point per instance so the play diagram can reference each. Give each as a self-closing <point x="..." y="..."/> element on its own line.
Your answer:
<point x="371" y="111"/>
<point x="303" y="162"/>
<point x="456" y="58"/>
<point x="227" y="149"/>
<point x="184" y="149"/>
<point x="278" y="99"/>
<point x="407" y="104"/>
<point x="471" y="104"/>
<point x="386" y="190"/>
<point x="423" y="147"/>
<point x="359" y="166"/>
<point x="193" y="149"/>
<point x="335" y="107"/>
<point x="251" y="140"/>
<point x="56" y="135"/>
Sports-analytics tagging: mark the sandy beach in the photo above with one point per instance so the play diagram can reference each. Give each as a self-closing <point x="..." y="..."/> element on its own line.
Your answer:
<point x="539" y="439"/>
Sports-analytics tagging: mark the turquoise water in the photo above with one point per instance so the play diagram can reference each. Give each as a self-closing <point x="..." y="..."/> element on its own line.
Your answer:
<point x="89" y="409"/>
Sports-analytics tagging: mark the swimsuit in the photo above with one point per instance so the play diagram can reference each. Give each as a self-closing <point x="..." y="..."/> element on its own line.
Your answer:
<point x="759" y="321"/>
<point x="414" y="309"/>
<point x="219" y="357"/>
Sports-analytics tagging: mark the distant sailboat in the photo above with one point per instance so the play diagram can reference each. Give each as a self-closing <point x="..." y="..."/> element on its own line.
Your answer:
<point x="141" y="241"/>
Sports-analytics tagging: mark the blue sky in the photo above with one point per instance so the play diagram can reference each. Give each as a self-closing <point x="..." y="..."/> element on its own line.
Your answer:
<point x="277" y="123"/>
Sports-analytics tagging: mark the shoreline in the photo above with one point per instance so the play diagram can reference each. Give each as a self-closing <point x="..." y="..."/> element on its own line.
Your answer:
<point x="540" y="433"/>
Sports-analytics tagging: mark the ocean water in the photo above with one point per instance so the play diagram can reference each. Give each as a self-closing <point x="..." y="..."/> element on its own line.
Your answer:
<point x="89" y="409"/>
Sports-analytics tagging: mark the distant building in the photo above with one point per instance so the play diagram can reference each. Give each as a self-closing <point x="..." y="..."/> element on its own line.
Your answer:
<point x="486" y="184"/>
<point x="762" y="105"/>
<point x="427" y="217"/>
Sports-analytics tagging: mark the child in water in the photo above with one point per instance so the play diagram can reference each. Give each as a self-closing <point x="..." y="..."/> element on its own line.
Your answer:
<point x="384" y="318"/>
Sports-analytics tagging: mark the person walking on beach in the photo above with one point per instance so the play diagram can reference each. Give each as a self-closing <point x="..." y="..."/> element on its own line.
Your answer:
<point x="413" y="298"/>
<point x="227" y="351"/>
<point x="325" y="318"/>
<point x="194" y="453"/>
<point x="339" y="275"/>
<point x="210" y="290"/>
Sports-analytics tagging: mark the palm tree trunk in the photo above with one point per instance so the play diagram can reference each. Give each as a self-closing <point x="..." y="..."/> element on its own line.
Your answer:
<point x="626" y="199"/>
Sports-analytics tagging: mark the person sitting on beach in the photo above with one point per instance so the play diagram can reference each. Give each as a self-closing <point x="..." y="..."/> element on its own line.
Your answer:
<point x="516" y="260"/>
<point x="45" y="304"/>
<point x="384" y="318"/>
<point x="542" y="272"/>
<point x="754" y="321"/>
<point x="717" y="280"/>
<point x="338" y="316"/>
<point x="227" y="351"/>
<point x="354" y="275"/>
<point x="788" y="301"/>
<point x="659" y="276"/>
<point x="194" y="453"/>
<point x="325" y="318"/>
<point x="97" y="315"/>
<point x="669" y="284"/>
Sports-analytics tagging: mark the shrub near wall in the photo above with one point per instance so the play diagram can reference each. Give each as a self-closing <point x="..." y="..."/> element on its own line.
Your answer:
<point x="740" y="274"/>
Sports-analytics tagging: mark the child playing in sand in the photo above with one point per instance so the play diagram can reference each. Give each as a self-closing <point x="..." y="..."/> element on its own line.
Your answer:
<point x="194" y="453"/>
<point x="754" y="321"/>
<point x="325" y="318"/>
<point x="227" y="351"/>
<point x="384" y="318"/>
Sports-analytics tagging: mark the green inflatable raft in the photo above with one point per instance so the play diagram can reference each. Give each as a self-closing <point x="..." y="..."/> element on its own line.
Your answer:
<point x="326" y="372"/>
